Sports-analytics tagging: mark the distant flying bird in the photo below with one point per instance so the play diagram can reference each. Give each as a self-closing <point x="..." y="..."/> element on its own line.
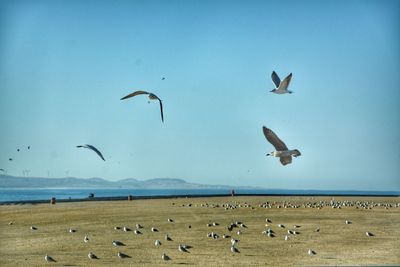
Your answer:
<point x="94" y="149"/>
<point x="163" y="78"/>
<point x="17" y="149"/>
<point x="281" y="86"/>
<point x="151" y="97"/>
<point x="10" y="159"/>
<point x="284" y="154"/>
<point x="29" y="147"/>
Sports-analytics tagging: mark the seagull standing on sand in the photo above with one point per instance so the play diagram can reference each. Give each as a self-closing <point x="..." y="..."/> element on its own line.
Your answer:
<point x="282" y="152"/>
<point x="182" y="248"/>
<point x="94" y="149"/>
<point x="86" y="239"/>
<point x="49" y="259"/>
<point x="117" y="243"/>
<point x="281" y="87"/>
<point x="234" y="241"/>
<point x="122" y="255"/>
<point x="165" y="257"/>
<point x="151" y="97"/>
<point x="234" y="249"/>
<point x="157" y="243"/>
<point x="92" y="256"/>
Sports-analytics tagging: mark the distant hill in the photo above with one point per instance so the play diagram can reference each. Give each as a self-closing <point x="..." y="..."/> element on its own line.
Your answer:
<point x="7" y="181"/>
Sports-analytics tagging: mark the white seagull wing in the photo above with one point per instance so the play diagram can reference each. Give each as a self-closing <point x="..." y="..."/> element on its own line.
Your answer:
<point x="285" y="83"/>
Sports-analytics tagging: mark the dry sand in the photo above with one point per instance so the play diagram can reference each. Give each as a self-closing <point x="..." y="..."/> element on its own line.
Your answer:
<point x="337" y="243"/>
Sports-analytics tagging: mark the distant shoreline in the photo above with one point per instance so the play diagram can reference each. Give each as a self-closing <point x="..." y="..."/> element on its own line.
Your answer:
<point x="121" y="198"/>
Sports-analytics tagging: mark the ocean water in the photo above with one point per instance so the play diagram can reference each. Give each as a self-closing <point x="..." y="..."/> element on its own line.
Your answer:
<point x="22" y="194"/>
<point x="18" y="194"/>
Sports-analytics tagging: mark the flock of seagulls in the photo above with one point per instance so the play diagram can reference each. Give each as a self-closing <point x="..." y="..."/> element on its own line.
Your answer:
<point x="283" y="230"/>
<point x="281" y="87"/>
<point x="282" y="152"/>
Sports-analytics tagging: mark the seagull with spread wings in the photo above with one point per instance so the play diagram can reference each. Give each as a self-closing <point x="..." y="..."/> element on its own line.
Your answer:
<point x="94" y="149"/>
<point x="284" y="154"/>
<point x="151" y="97"/>
<point x="281" y="87"/>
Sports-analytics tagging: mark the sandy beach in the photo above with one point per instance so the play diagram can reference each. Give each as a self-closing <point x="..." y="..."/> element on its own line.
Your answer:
<point x="336" y="243"/>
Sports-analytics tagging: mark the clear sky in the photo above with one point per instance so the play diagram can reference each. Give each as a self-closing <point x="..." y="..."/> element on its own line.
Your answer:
<point x="64" y="65"/>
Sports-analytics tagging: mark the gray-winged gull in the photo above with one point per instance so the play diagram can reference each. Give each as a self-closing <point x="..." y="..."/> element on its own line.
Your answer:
<point x="284" y="154"/>
<point x="151" y="97"/>
<point x="49" y="258"/>
<point x="281" y="87"/>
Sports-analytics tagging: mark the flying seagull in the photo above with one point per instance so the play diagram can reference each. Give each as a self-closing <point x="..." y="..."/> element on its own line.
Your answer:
<point x="281" y="86"/>
<point x="151" y="97"/>
<point x="94" y="149"/>
<point x="284" y="154"/>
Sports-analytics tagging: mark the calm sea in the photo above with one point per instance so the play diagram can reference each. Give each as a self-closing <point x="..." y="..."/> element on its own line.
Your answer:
<point x="19" y="194"/>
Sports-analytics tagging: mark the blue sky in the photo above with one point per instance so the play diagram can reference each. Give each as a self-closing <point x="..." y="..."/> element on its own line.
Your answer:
<point x="65" y="65"/>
